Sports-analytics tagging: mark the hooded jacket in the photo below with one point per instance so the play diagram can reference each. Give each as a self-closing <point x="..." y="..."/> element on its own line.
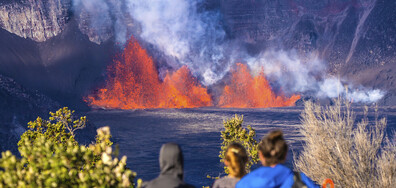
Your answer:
<point x="171" y="165"/>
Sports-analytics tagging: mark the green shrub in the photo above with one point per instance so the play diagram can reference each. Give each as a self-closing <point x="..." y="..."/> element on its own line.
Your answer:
<point x="234" y="132"/>
<point x="51" y="157"/>
<point x="59" y="128"/>
<point x="351" y="154"/>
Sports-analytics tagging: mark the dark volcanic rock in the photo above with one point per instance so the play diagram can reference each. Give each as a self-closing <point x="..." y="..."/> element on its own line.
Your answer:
<point x="376" y="39"/>
<point x="18" y="106"/>
<point x="353" y="32"/>
<point x="64" y="67"/>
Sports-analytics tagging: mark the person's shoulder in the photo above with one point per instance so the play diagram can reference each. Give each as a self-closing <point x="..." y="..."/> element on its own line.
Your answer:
<point x="164" y="181"/>
<point x="258" y="171"/>
<point x="253" y="178"/>
<point x="266" y="171"/>
<point x="225" y="182"/>
<point x="289" y="181"/>
<point x="267" y="177"/>
<point x="217" y="183"/>
<point x="284" y="169"/>
<point x="308" y="181"/>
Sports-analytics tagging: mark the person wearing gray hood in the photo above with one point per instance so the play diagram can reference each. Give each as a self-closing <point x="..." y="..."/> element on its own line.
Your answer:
<point x="171" y="165"/>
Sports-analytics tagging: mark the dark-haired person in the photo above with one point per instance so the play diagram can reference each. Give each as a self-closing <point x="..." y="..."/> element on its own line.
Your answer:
<point x="171" y="165"/>
<point x="272" y="151"/>
<point x="235" y="159"/>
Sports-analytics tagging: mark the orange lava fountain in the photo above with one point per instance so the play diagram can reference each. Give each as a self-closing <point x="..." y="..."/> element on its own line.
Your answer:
<point x="246" y="91"/>
<point x="133" y="83"/>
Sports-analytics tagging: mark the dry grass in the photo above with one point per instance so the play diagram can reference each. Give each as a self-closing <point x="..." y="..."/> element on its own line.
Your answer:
<point x="352" y="154"/>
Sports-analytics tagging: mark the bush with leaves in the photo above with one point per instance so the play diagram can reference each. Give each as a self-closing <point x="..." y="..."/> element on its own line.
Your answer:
<point x="51" y="157"/>
<point x="234" y="132"/>
<point x="59" y="128"/>
<point x="351" y="154"/>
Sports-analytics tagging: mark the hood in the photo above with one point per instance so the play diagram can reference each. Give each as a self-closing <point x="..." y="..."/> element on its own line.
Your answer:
<point x="171" y="160"/>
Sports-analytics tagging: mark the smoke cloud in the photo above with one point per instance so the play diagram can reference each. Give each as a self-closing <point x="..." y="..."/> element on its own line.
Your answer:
<point x="190" y="35"/>
<point x="307" y="75"/>
<point x="288" y="70"/>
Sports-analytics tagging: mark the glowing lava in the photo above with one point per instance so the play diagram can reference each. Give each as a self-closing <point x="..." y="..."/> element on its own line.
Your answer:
<point x="246" y="91"/>
<point x="133" y="83"/>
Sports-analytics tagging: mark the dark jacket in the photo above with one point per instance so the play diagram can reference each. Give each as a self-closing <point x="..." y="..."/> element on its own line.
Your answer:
<point x="171" y="165"/>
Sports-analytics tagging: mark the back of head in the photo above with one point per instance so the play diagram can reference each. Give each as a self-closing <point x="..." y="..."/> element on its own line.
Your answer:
<point x="237" y="158"/>
<point x="171" y="160"/>
<point x="273" y="147"/>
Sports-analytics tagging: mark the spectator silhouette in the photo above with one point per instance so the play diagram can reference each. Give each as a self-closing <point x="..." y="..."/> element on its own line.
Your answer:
<point x="171" y="165"/>
<point x="272" y="152"/>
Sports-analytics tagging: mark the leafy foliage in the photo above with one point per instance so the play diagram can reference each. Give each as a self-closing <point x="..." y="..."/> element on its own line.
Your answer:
<point x="234" y="132"/>
<point x="55" y="128"/>
<point x="351" y="154"/>
<point x="51" y="157"/>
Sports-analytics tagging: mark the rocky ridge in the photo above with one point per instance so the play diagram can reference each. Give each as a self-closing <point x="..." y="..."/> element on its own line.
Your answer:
<point x="19" y="105"/>
<point x="102" y="20"/>
<point x="37" y="20"/>
<point x="41" y="20"/>
<point x="342" y="32"/>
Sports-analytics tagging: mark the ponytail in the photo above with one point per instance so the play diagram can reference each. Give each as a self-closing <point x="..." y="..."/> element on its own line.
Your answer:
<point x="236" y="155"/>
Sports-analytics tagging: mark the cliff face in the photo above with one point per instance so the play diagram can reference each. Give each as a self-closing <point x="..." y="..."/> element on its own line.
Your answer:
<point x="64" y="66"/>
<point x="355" y="38"/>
<point x="41" y="20"/>
<point x="342" y="32"/>
<point x="37" y="20"/>
<point x="101" y="20"/>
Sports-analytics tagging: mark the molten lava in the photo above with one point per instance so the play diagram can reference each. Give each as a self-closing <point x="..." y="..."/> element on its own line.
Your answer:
<point x="133" y="82"/>
<point x="182" y="91"/>
<point x="246" y="91"/>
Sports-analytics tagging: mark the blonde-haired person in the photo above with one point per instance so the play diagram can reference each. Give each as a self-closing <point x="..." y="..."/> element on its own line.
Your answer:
<point x="235" y="159"/>
<point x="272" y="152"/>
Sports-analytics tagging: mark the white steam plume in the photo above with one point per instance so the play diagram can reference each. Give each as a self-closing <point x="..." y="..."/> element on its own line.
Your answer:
<point x="288" y="70"/>
<point x="177" y="28"/>
<point x="194" y="36"/>
<point x="308" y="75"/>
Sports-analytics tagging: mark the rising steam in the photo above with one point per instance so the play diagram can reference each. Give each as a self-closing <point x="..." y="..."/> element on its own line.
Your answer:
<point x="190" y="35"/>
<point x="177" y="28"/>
<point x="308" y="75"/>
